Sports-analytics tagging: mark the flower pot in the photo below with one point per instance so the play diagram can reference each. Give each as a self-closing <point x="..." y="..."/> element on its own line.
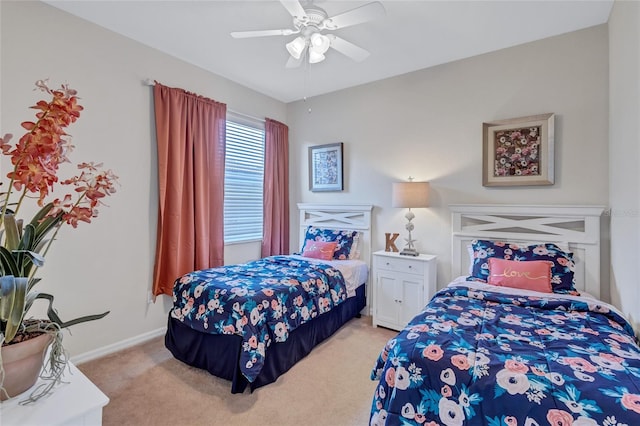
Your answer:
<point x="22" y="363"/>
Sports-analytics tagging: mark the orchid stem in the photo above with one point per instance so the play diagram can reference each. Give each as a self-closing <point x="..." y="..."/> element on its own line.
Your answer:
<point x="77" y="203"/>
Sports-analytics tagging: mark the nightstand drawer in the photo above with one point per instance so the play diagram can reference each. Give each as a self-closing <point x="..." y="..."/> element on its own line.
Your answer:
<point x="400" y="265"/>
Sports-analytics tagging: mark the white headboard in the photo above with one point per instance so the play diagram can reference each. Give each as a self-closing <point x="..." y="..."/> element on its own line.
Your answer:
<point x="339" y="216"/>
<point x="575" y="227"/>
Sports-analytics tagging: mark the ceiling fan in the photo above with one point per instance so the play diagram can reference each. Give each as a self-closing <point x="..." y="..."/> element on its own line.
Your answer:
<point x="309" y="21"/>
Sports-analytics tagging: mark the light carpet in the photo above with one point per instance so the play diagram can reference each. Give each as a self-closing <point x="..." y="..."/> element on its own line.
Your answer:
<point x="331" y="386"/>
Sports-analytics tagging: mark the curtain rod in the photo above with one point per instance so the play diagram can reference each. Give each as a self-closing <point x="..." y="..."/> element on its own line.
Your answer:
<point x="151" y="82"/>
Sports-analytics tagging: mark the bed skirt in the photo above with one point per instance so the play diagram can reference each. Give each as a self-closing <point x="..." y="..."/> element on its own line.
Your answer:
<point x="220" y="354"/>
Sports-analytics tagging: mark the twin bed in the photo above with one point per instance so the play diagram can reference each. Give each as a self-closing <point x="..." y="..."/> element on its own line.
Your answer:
<point x="251" y="323"/>
<point x="520" y="337"/>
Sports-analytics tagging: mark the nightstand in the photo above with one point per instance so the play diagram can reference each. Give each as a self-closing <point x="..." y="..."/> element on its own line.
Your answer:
<point x="402" y="286"/>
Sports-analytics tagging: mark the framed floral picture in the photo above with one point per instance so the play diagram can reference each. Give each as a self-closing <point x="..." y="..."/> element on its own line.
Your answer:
<point x="518" y="151"/>
<point x="325" y="167"/>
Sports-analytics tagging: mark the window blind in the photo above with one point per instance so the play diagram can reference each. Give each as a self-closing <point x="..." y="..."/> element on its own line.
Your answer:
<point x="243" y="180"/>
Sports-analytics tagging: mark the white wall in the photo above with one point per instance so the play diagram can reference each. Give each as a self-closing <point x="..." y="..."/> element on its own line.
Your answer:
<point x="428" y="124"/>
<point x="108" y="264"/>
<point x="624" y="185"/>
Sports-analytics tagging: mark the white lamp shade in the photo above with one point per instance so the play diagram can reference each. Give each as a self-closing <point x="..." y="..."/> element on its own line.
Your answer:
<point x="410" y="194"/>
<point x="296" y="47"/>
<point x="319" y="43"/>
<point x="315" y="57"/>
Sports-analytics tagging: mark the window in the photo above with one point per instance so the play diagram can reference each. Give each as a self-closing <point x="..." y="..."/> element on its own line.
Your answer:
<point x="243" y="177"/>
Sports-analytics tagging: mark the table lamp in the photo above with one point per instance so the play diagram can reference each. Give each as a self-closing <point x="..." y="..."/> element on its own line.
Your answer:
<point x="410" y="195"/>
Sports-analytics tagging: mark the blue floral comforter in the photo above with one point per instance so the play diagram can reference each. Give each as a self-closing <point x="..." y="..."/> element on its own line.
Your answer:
<point x="261" y="301"/>
<point x="475" y="357"/>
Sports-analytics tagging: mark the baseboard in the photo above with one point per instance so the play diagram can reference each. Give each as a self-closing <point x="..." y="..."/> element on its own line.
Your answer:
<point x="118" y="346"/>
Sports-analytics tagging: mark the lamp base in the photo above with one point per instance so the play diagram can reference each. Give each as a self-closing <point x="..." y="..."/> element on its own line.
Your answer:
<point x="409" y="252"/>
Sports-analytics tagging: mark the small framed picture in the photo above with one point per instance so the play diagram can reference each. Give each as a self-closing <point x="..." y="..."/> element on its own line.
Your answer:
<point x="518" y="151"/>
<point x="325" y="167"/>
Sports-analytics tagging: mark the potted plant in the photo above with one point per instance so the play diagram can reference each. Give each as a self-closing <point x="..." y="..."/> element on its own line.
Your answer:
<point x="23" y="245"/>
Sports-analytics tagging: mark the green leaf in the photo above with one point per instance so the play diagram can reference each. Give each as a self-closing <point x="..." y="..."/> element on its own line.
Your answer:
<point x="44" y="227"/>
<point x="53" y="316"/>
<point x="13" y="235"/>
<point x="8" y="263"/>
<point x="44" y="224"/>
<point x="28" y="237"/>
<point x="25" y="259"/>
<point x="36" y="258"/>
<point x="16" y="310"/>
<point x="26" y="243"/>
<point x="7" y="295"/>
<point x="41" y="214"/>
<point x="17" y="313"/>
<point x="38" y="248"/>
<point x="31" y="297"/>
<point x="33" y="282"/>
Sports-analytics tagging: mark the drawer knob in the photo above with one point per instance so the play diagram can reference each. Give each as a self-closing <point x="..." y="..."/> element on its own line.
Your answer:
<point x="410" y="266"/>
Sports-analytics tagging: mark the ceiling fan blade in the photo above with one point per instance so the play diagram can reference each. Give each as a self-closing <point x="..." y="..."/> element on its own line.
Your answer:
<point x="295" y="63"/>
<point x="262" y="33"/>
<point x="294" y="8"/>
<point x="355" y="16"/>
<point x="347" y="48"/>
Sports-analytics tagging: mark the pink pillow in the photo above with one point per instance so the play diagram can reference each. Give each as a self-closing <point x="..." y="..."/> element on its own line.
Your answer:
<point x="319" y="249"/>
<point x="528" y="275"/>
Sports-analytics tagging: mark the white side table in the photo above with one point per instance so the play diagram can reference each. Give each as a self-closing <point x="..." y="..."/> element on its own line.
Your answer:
<point x="402" y="287"/>
<point x="76" y="402"/>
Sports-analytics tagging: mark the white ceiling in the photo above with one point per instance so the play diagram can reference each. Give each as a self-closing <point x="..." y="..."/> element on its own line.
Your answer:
<point x="413" y="35"/>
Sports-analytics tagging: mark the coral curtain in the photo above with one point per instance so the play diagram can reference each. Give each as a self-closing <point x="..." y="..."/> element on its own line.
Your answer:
<point x="190" y="133"/>
<point x="275" y="239"/>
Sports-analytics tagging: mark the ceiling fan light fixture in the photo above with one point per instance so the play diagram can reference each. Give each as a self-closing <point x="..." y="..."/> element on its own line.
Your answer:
<point x="319" y="43"/>
<point x="315" y="57"/>
<point x="296" y="47"/>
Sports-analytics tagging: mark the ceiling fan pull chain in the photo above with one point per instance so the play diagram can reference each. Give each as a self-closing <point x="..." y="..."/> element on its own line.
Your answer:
<point x="305" y="83"/>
